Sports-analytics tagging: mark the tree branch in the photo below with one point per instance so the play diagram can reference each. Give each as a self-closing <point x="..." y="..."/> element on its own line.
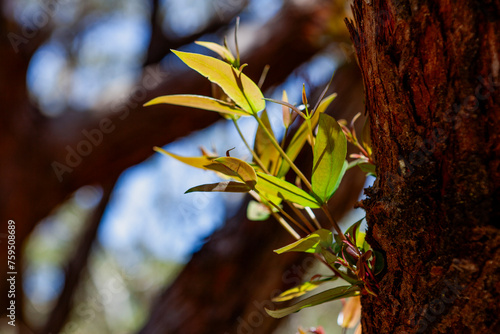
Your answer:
<point x="76" y="266"/>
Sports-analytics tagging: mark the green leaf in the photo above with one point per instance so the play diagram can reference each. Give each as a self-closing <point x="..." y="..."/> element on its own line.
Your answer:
<point x="300" y="290"/>
<point x="280" y="188"/>
<point x="263" y="146"/>
<point x="325" y="103"/>
<point x="225" y="186"/>
<point x="363" y="165"/>
<point x="360" y="237"/>
<point x="353" y="229"/>
<point x="198" y="162"/>
<point x="200" y="102"/>
<point x="341" y="175"/>
<point x="257" y="211"/>
<point x="368" y="168"/>
<point x="240" y="168"/>
<point x="300" y="137"/>
<point x="320" y="298"/>
<point x="241" y="89"/>
<point x="356" y="162"/>
<point x="222" y="51"/>
<point x="329" y="157"/>
<point x="270" y="199"/>
<point x="313" y="243"/>
<point x="330" y="258"/>
<point x="355" y="232"/>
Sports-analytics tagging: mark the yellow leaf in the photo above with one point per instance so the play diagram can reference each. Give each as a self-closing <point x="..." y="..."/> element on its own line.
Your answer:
<point x="240" y="88"/>
<point x="219" y="49"/>
<point x="200" y="102"/>
<point x="198" y="162"/>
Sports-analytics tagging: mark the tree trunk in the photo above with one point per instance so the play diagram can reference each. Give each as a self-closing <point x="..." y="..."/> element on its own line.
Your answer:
<point x="431" y="76"/>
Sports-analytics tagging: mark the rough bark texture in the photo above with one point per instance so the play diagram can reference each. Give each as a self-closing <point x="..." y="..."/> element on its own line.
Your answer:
<point x="431" y="76"/>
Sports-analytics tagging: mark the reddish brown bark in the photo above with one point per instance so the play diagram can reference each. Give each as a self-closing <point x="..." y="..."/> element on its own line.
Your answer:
<point x="431" y="76"/>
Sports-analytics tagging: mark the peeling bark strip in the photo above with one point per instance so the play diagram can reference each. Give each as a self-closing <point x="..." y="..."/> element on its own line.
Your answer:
<point x="431" y="76"/>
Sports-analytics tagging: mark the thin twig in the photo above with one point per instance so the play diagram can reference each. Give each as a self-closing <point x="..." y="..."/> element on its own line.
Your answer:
<point x="76" y="265"/>
<point x="254" y="155"/>
<point x="283" y="154"/>
<point x="301" y="216"/>
<point x="296" y="223"/>
<point x="285" y="225"/>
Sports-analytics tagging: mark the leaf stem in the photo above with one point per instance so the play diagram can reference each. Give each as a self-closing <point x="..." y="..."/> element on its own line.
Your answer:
<point x="254" y="155"/>
<point x="313" y="217"/>
<point x="280" y="219"/>
<point x="285" y="225"/>
<point x="301" y="216"/>
<point x="287" y="216"/>
<point x="333" y="222"/>
<point x="282" y="153"/>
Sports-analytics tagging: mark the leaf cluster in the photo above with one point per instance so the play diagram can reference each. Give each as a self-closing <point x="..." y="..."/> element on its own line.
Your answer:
<point x="347" y="254"/>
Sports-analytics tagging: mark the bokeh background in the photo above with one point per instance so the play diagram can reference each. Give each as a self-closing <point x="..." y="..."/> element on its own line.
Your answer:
<point x="105" y="237"/>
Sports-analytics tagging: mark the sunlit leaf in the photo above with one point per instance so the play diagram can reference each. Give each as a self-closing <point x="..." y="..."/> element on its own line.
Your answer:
<point x="222" y="51"/>
<point x="341" y="175"/>
<point x="221" y="169"/>
<point x="364" y="165"/>
<point x="270" y="199"/>
<point x="300" y="137"/>
<point x="257" y="211"/>
<point x="280" y="188"/>
<point x="357" y="162"/>
<point x="320" y="298"/>
<point x="300" y="290"/>
<point x="200" y="102"/>
<point x="234" y="167"/>
<point x="329" y="157"/>
<point x="359" y="235"/>
<point x="198" y="162"/>
<point x="285" y="111"/>
<point x="225" y="186"/>
<point x="368" y="168"/>
<point x="263" y="146"/>
<point x="354" y="228"/>
<point x="313" y="243"/>
<point x="241" y="89"/>
<point x="242" y="168"/>
<point x="350" y="315"/>
<point x="325" y="103"/>
<point x="304" y="96"/>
